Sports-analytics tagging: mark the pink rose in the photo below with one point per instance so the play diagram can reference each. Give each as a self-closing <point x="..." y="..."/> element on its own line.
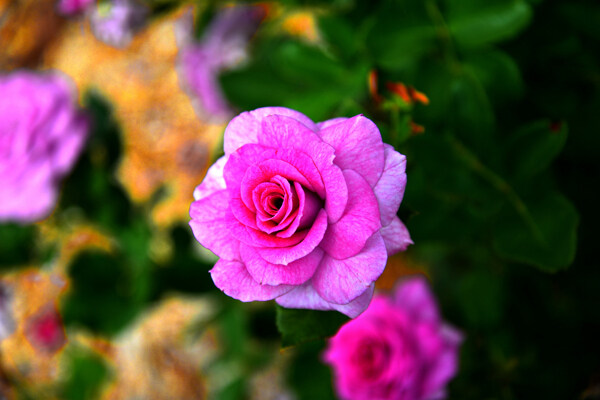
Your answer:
<point x="41" y="135"/>
<point x="301" y="212"/>
<point x="398" y="349"/>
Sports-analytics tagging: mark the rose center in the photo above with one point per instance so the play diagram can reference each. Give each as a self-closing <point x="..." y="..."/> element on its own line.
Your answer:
<point x="277" y="202"/>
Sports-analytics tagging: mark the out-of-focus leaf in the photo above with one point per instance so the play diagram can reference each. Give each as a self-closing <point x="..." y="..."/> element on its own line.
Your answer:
<point x="488" y="289"/>
<point x="475" y="23"/>
<point x="338" y="35"/>
<point x="88" y="372"/>
<point x="470" y="113"/>
<point x="498" y="74"/>
<point x="16" y="244"/>
<point x="402" y="32"/>
<point x="295" y="75"/>
<point x="102" y="296"/>
<point x="308" y="376"/>
<point x="535" y="146"/>
<point x="583" y="17"/>
<point x="545" y="237"/>
<point x="299" y="326"/>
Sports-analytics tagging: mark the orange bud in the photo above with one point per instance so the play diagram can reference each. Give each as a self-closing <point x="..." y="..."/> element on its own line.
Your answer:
<point x="418" y="96"/>
<point x="400" y="89"/>
<point x="372" y="81"/>
<point x="416" y="128"/>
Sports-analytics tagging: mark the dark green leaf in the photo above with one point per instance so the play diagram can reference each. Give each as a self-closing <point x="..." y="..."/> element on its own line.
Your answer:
<point x="102" y="296"/>
<point x="298" y="326"/>
<point x="545" y="236"/>
<point x="402" y="32"/>
<point x="535" y="146"/>
<point x="308" y="376"/>
<point x="498" y="74"/>
<point x="339" y="35"/>
<point x="88" y="372"/>
<point x="476" y="23"/>
<point x="487" y="288"/>
<point x="16" y="244"/>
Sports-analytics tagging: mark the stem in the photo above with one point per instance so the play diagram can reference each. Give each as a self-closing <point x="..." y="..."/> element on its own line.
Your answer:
<point x="444" y="34"/>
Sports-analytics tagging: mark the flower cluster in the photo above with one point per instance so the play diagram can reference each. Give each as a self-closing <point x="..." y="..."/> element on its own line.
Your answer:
<point x="399" y="348"/>
<point x="301" y="212"/>
<point x="41" y="135"/>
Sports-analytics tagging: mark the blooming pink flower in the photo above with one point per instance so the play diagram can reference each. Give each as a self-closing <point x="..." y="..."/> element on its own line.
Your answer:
<point x="398" y="349"/>
<point x="301" y="212"/>
<point x="223" y="46"/>
<point x="41" y="135"/>
<point x="72" y="7"/>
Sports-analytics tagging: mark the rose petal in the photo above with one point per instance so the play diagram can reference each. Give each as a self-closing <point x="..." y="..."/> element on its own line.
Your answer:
<point x="361" y="219"/>
<point x="305" y="296"/>
<point x="286" y="133"/>
<point x="237" y="165"/>
<point x="341" y="281"/>
<point x="389" y="190"/>
<point x="235" y="281"/>
<point x="330" y="122"/>
<point x="396" y="236"/>
<point x="286" y="255"/>
<point x="69" y="147"/>
<point x="295" y="273"/>
<point x="244" y="128"/>
<point x="241" y="212"/>
<point x="445" y="365"/>
<point x="358" y="146"/>
<point x="415" y="298"/>
<point x="295" y="222"/>
<point x="213" y="181"/>
<point x="212" y="223"/>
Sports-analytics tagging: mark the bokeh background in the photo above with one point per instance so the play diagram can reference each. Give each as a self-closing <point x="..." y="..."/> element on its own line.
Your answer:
<point x="495" y="104"/>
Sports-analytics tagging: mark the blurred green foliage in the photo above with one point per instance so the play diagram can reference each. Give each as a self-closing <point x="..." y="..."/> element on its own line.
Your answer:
<point x="498" y="200"/>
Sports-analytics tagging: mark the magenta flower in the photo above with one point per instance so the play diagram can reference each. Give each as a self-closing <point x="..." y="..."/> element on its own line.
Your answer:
<point x="398" y="349"/>
<point x="301" y="212"/>
<point x="222" y="47"/>
<point x="41" y="135"/>
<point x="72" y="7"/>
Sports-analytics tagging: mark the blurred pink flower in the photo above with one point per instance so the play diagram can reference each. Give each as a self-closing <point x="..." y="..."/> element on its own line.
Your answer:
<point x="301" y="212"/>
<point x="399" y="348"/>
<point x="117" y="23"/>
<point x="71" y="7"/>
<point x="45" y="330"/>
<point x="223" y="46"/>
<point x="41" y="135"/>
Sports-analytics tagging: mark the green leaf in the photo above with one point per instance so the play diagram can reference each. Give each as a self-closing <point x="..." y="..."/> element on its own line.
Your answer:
<point x="339" y="35"/>
<point x="299" y="326"/>
<point x="16" y="244"/>
<point x="88" y="373"/>
<point x="309" y="377"/>
<point x="487" y="288"/>
<point x="476" y="23"/>
<point x="535" y="146"/>
<point x="498" y="74"/>
<point x="402" y="32"/>
<point x="295" y="75"/>
<point x="470" y="112"/>
<point x="103" y="293"/>
<point x="547" y="239"/>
